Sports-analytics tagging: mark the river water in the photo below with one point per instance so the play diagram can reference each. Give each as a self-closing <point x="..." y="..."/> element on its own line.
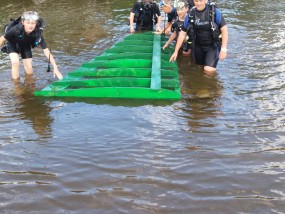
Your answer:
<point x="218" y="150"/>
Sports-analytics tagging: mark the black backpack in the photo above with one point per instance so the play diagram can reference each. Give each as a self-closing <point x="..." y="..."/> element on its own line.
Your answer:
<point x="214" y="25"/>
<point x="13" y="22"/>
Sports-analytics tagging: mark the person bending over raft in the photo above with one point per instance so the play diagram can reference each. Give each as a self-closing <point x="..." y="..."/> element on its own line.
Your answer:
<point x="181" y="9"/>
<point x="21" y="38"/>
<point x="170" y="8"/>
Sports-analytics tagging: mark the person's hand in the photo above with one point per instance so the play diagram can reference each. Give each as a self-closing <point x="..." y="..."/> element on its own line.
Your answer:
<point x="165" y="46"/>
<point x="57" y="73"/>
<point x="222" y="55"/>
<point x="132" y="29"/>
<point x="173" y="57"/>
<point x="158" y="29"/>
<point x="167" y="31"/>
<point x="157" y="32"/>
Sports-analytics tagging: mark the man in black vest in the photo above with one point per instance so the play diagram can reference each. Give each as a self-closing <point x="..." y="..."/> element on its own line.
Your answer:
<point x="145" y="14"/>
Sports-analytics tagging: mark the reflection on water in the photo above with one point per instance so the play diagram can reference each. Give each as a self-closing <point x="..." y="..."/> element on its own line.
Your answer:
<point x="223" y="143"/>
<point x="201" y="94"/>
<point x="32" y="109"/>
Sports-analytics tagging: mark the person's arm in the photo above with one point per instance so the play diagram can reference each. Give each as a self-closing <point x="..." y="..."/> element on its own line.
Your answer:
<point x="52" y="61"/>
<point x="224" y="32"/>
<point x="171" y="38"/>
<point x="133" y="12"/>
<point x="132" y="16"/>
<point x="180" y="40"/>
<point x="225" y="36"/>
<point x="158" y="23"/>
<point x="2" y="40"/>
<point x="167" y="28"/>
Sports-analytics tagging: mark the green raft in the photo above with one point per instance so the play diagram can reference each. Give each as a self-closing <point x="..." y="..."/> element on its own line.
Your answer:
<point x="135" y="68"/>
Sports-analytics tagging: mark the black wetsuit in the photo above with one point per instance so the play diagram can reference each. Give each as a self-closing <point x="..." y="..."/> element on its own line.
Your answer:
<point x="176" y="27"/>
<point x="172" y="15"/>
<point x="205" y="49"/>
<point x="145" y="13"/>
<point x="18" y="41"/>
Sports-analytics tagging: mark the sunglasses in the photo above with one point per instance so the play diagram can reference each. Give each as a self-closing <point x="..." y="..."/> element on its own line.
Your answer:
<point x="30" y="15"/>
<point x="180" y="5"/>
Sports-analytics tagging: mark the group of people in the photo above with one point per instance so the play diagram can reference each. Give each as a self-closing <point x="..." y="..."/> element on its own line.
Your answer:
<point x="197" y="26"/>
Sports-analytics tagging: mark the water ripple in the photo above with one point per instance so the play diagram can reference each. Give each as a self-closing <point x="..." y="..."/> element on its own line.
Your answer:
<point x="223" y="143"/>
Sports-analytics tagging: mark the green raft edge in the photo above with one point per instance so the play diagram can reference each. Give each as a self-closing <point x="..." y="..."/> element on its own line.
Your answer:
<point x="114" y="92"/>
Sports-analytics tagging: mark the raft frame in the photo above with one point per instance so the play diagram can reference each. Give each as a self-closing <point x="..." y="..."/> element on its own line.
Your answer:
<point x="127" y="70"/>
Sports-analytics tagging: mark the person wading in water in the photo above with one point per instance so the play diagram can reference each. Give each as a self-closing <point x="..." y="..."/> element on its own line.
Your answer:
<point x="204" y="24"/>
<point x="21" y="36"/>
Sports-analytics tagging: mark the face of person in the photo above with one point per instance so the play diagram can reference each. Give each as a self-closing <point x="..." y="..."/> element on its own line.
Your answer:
<point x="29" y="25"/>
<point x="181" y="12"/>
<point x="166" y="8"/>
<point x="29" y="21"/>
<point x="200" y="4"/>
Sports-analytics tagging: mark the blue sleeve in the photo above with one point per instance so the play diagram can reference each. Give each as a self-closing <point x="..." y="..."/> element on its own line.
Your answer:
<point x="219" y="19"/>
<point x="172" y="15"/>
<point x="186" y="23"/>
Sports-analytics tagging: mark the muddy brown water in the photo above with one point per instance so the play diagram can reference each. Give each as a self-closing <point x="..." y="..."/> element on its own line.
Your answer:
<point x="218" y="150"/>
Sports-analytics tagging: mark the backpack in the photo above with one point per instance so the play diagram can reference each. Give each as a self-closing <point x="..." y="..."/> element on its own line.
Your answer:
<point x="41" y="24"/>
<point x="13" y="22"/>
<point x="215" y="20"/>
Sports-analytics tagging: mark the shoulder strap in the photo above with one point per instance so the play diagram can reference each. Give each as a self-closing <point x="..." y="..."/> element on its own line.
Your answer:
<point x="215" y="19"/>
<point x="212" y="15"/>
<point x="189" y="24"/>
<point x="215" y="16"/>
<point x="190" y="18"/>
<point x="41" y="24"/>
<point x="215" y="13"/>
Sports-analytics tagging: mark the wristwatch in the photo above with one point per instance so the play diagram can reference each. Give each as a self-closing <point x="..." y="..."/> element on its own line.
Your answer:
<point x="224" y="50"/>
